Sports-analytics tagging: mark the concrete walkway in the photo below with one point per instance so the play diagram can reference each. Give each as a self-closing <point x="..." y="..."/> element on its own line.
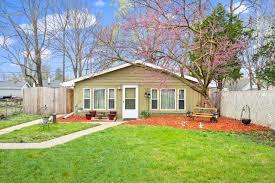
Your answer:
<point x="59" y="140"/>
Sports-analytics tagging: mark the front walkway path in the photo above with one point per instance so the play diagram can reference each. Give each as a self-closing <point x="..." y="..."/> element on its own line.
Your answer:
<point x="59" y="140"/>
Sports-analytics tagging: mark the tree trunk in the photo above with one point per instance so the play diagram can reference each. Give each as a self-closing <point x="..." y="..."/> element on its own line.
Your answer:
<point x="250" y="78"/>
<point x="39" y="74"/>
<point x="64" y="58"/>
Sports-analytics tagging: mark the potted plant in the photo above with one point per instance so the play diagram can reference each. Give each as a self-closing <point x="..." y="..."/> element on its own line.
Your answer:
<point x="112" y="115"/>
<point x="93" y="113"/>
<point x="89" y="116"/>
<point x="45" y="118"/>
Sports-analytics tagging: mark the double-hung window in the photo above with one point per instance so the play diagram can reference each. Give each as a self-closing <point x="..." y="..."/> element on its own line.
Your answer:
<point x="181" y="102"/>
<point x="86" y="98"/>
<point x="154" y="99"/>
<point x="111" y="98"/>
<point x="168" y="99"/>
<point x="99" y="99"/>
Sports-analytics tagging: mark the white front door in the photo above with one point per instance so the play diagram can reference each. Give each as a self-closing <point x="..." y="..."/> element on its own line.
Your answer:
<point x="130" y="102"/>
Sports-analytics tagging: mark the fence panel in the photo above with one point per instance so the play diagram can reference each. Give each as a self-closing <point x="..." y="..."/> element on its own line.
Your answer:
<point x="57" y="100"/>
<point x="261" y="103"/>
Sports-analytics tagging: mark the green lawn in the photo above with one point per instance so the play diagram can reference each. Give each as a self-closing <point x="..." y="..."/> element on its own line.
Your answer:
<point x="18" y="119"/>
<point x="37" y="133"/>
<point x="144" y="154"/>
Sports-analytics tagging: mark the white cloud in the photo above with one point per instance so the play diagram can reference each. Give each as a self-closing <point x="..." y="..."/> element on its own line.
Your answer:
<point x="241" y="8"/>
<point x="54" y="22"/>
<point x="99" y="3"/>
<point x="5" y="41"/>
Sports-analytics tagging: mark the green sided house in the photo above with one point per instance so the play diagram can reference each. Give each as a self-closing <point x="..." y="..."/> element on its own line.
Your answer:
<point x="129" y="89"/>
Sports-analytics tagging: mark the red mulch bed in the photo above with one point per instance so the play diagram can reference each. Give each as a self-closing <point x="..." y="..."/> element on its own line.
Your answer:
<point x="78" y="119"/>
<point x="223" y="124"/>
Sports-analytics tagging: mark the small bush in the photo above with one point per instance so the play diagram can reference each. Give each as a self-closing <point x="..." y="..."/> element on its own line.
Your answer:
<point x="145" y="114"/>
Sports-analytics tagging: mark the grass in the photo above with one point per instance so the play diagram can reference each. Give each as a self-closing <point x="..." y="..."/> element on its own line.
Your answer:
<point x="144" y="154"/>
<point x="18" y="119"/>
<point x="37" y="133"/>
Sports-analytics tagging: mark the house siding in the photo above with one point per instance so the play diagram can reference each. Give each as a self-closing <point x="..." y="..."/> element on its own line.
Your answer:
<point x="145" y="79"/>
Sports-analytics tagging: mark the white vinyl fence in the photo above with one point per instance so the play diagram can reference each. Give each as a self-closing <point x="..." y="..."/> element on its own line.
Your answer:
<point x="261" y="103"/>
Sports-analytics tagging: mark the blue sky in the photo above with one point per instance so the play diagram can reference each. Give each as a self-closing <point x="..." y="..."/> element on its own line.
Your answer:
<point x="107" y="9"/>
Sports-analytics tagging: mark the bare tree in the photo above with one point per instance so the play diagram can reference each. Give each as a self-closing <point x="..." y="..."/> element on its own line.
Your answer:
<point x="26" y="43"/>
<point x="75" y="40"/>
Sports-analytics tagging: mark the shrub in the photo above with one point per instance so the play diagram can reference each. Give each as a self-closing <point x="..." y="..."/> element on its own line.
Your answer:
<point x="145" y="114"/>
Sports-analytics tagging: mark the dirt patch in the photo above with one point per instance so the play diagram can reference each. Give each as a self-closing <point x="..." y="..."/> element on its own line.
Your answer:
<point x="223" y="124"/>
<point x="263" y="137"/>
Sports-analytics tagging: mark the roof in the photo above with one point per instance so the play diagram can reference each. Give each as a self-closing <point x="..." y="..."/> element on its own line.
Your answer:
<point x="71" y="83"/>
<point x="237" y="85"/>
<point x="52" y="84"/>
<point x="15" y="85"/>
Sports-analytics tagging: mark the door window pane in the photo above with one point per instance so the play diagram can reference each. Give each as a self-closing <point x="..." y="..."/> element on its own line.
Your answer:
<point x="130" y="103"/>
<point x="168" y="99"/>
<point x="130" y="98"/>
<point x="99" y="98"/>
<point x="130" y="93"/>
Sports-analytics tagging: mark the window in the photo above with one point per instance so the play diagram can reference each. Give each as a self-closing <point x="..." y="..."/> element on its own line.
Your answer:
<point x="99" y="99"/>
<point x="111" y="98"/>
<point x="86" y="98"/>
<point x="154" y="99"/>
<point x="168" y="99"/>
<point x="130" y="98"/>
<point x="181" y="99"/>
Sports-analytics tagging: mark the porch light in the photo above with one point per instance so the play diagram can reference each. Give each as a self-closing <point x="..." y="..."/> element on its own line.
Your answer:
<point x="147" y="94"/>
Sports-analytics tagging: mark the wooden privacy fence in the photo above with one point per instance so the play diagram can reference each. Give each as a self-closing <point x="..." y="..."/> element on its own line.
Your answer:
<point x="57" y="100"/>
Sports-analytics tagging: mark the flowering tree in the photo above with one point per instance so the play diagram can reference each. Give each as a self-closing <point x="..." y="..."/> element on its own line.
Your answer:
<point x="180" y="36"/>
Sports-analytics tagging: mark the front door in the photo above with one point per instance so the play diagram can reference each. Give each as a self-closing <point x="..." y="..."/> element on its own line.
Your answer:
<point x="130" y="102"/>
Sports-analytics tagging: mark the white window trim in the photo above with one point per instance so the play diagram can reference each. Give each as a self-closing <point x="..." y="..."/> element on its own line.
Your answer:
<point x="157" y="99"/>
<point x="94" y="98"/>
<point x="111" y="98"/>
<point x="174" y="99"/>
<point x="87" y="98"/>
<point x="181" y="99"/>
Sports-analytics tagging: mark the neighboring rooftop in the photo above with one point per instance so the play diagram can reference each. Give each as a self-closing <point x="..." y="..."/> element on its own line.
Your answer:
<point x="8" y="84"/>
<point x="52" y="83"/>
<point x="241" y="84"/>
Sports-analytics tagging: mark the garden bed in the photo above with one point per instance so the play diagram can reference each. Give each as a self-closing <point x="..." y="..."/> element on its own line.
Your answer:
<point x="77" y="119"/>
<point x="223" y="124"/>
